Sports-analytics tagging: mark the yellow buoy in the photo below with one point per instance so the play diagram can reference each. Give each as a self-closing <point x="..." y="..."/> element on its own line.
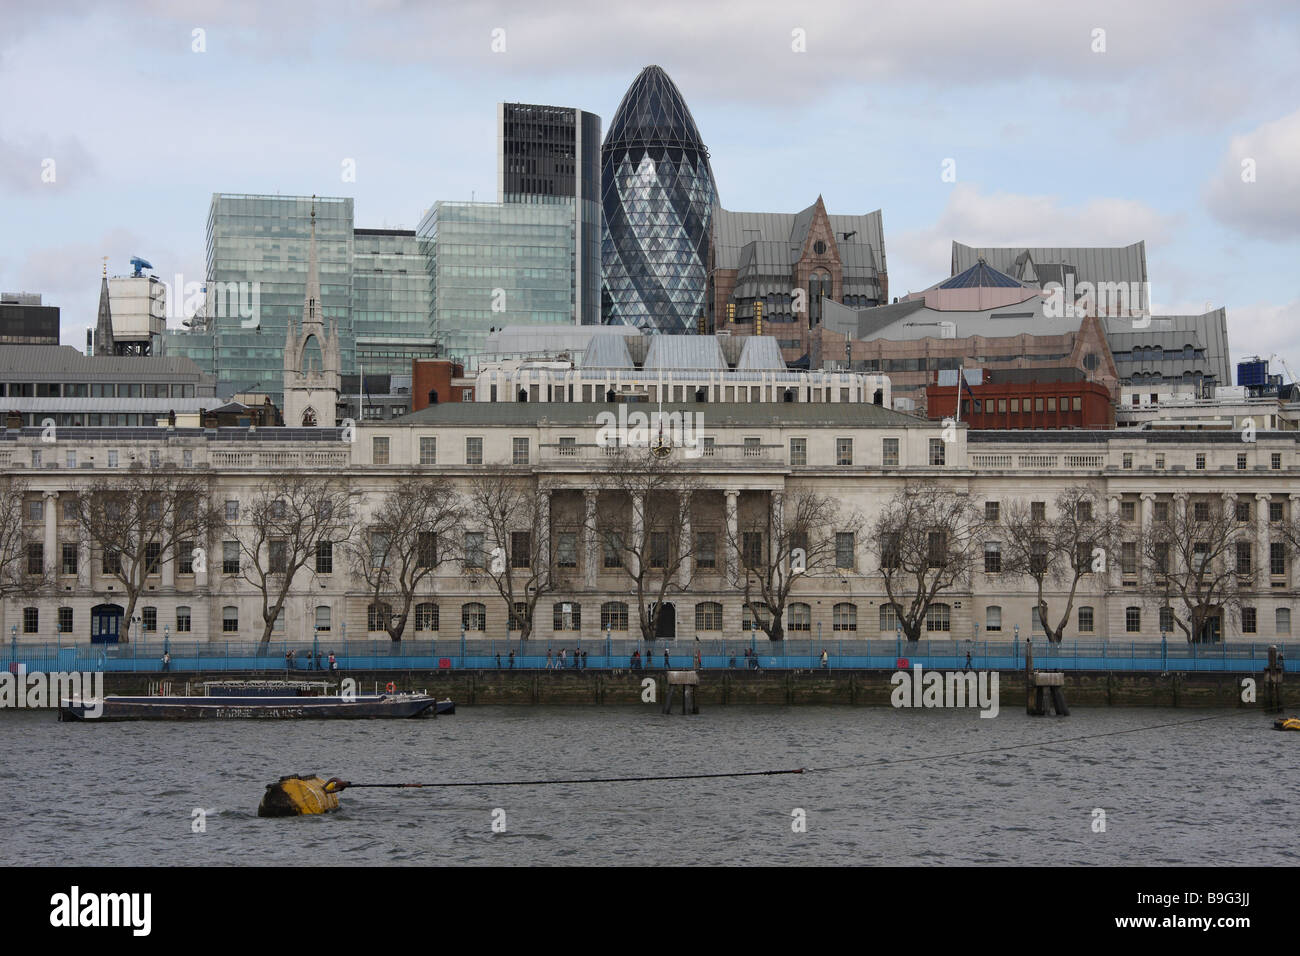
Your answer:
<point x="297" y="796"/>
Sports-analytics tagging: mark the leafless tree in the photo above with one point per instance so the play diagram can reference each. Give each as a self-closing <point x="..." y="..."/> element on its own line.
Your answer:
<point x="794" y="536"/>
<point x="514" y="510"/>
<point x="1189" y="549"/>
<point x="408" y="538"/>
<point x="138" y="520"/>
<point x="292" y="514"/>
<point x="641" y="517"/>
<point x="1078" y="539"/>
<point x="16" y="536"/>
<point x="925" y="541"/>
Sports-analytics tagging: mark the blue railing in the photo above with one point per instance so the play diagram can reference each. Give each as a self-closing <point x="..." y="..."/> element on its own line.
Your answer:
<point x="608" y="654"/>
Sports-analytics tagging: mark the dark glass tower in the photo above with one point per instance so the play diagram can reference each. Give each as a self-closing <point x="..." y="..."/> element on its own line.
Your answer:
<point x="658" y="194"/>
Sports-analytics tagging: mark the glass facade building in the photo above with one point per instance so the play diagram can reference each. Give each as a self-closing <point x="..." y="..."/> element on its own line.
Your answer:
<point x="374" y="288"/>
<point x="496" y="264"/>
<point x="658" y="194"/>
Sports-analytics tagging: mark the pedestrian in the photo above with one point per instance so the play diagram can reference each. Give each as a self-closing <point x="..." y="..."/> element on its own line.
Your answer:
<point x="968" y="660"/>
<point x="512" y="660"/>
<point x="564" y="653"/>
<point x="334" y="665"/>
<point x="666" y="664"/>
<point x="826" y="663"/>
<point x="498" y="660"/>
<point x="166" y="661"/>
<point x="548" y="658"/>
<point x="584" y="660"/>
<point x="731" y="662"/>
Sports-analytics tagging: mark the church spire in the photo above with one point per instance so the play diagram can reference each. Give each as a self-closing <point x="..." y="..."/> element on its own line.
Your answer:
<point x="104" y="324"/>
<point x="311" y="306"/>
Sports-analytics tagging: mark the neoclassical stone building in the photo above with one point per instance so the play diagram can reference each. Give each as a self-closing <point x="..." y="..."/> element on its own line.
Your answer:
<point x="859" y="453"/>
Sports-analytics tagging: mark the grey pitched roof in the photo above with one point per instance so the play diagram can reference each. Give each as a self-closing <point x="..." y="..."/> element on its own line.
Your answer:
<point x="761" y="352"/>
<point x="32" y="363"/>
<point x="684" y="351"/>
<point x="1172" y="334"/>
<point x="1091" y="263"/>
<point x="606" y="351"/>
<point x="733" y="231"/>
<point x="861" y="323"/>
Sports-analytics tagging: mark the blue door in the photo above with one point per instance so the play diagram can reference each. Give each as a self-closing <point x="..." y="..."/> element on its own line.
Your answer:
<point x="105" y="623"/>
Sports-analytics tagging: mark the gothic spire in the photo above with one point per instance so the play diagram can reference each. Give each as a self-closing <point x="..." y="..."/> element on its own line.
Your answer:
<point x="104" y="324"/>
<point x="311" y="306"/>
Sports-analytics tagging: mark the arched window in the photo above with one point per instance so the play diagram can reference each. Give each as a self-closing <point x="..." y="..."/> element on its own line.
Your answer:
<point x="473" y="617"/>
<point x="708" y="616"/>
<point x="566" y="616"/>
<point x="309" y="418"/>
<point x="889" y="617"/>
<point x="845" y="617"/>
<point x="378" y="615"/>
<point x="749" y="622"/>
<point x="938" y="617"/>
<point x="799" y="617"/>
<point x="426" y="616"/>
<point x="613" y="616"/>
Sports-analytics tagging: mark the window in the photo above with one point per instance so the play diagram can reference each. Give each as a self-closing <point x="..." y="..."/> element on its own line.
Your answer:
<point x="154" y="458"/>
<point x="1241" y="462"/>
<point x="613" y="616"/>
<point x="380" y="546"/>
<point x="426" y="616"/>
<point x="1243" y="557"/>
<point x="1275" y="511"/>
<point x="1243" y="510"/>
<point x="1160" y="461"/>
<point x="889" y="617"/>
<point x="1200" y="461"/>
<point x="473" y="617"/>
<point x="751" y="548"/>
<point x="428" y="451"/>
<point x="799" y="618"/>
<point x="473" y="451"/>
<point x="937" y="453"/>
<point x="473" y="549"/>
<point x="1276" y="558"/>
<point x="35" y="558"/>
<point x="1127" y="510"/>
<point x="566" y="549"/>
<point x="1282" y="620"/>
<point x="149" y="618"/>
<point x="993" y="557"/>
<point x="708" y="446"/>
<point x="1133" y="620"/>
<point x="659" y="555"/>
<point x="230" y="620"/>
<point x="1038" y="511"/>
<point x="521" y="549"/>
<point x="1085" y="620"/>
<point x="65" y="620"/>
<point x="844" y="617"/>
<point x="706" y="550"/>
<point x="230" y="557"/>
<point x="31" y="620"/>
<point x="112" y="458"/>
<point x="751" y="622"/>
<point x="937" y="549"/>
<point x="35" y="509"/>
<point x="890" y="550"/>
<point x="36" y="458"/>
<point x="187" y="457"/>
<point x="1276" y="464"/>
<point x="614" y="550"/>
<point x="1248" y="620"/>
<point x="520" y="618"/>
<point x="708" y="616"/>
<point x="938" y="617"/>
<point x="182" y="619"/>
<point x="324" y="557"/>
<point x="322" y="619"/>
<point x="378" y="615"/>
<point x="1128" y="459"/>
<point x="232" y="510"/>
<point x="1161" y="511"/>
<point x="798" y="451"/>
<point x="1128" y="558"/>
<point x="566" y="616"/>
<point x="992" y="511"/>
<point x="889" y="452"/>
<point x="1084" y="511"/>
<point x="519" y="451"/>
<point x="69" y="563"/>
<point x="844" y="451"/>
<point x="845" y="548"/>
<point x="379" y="450"/>
<point x="112" y="561"/>
<point x="278" y="555"/>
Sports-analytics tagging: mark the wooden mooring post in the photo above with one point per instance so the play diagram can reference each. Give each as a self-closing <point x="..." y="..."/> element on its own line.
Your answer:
<point x="1039" y="686"/>
<point x="1273" y="681"/>
<point x="688" y="681"/>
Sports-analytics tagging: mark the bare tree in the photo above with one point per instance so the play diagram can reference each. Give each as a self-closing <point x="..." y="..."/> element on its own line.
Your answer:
<point x="409" y="537"/>
<point x="138" y="520"/>
<point x="641" y="517"/>
<point x="797" y="534"/>
<point x="925" y="541"/>
<point x="515" y="512"/>
<point x="1190" y="550"/>
<point x="1079" y="539"/>
<point x="290" y="517"/>
<point x="16" y="574"/>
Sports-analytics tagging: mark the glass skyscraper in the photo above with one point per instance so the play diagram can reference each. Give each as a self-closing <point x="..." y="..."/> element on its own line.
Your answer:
<point x="390" y="301"/>
<point x="497" y="264"/>
<point x="658" y="195"/>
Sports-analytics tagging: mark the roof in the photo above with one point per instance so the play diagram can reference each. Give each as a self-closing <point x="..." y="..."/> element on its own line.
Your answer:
<point x="126" y="406"/>
<point x="684" y="352"/>
<point x="653" y="113"/>
<point x="1172" y="334"/>
<point x="981" y="275"/>
<point x="63" y="362"/>
<point x="1090" y="263"/>
<point x="452" y="414"/>
<point x="761" y="352"/>
<point x="778" y="240"/>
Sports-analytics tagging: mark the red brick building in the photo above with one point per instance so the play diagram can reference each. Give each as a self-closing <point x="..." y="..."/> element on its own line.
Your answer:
<point x="438" y="380"/>
<point x="1011" y="405"/>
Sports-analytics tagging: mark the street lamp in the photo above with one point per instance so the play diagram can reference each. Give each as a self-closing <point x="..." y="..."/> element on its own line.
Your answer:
<point x="167" y="640"/>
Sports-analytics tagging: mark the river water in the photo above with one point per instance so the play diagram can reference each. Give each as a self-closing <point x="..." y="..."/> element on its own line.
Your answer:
<point x="1219" y="791"/>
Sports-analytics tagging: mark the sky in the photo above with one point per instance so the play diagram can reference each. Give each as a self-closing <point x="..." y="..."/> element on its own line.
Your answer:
<point x="1176" y="122"/>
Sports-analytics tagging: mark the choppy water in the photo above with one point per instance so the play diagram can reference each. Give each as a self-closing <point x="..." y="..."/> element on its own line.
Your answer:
<point x="1216" y="792"/>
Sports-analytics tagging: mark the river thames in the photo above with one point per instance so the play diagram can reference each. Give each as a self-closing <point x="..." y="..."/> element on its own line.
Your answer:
<point x="1208" y="792"/>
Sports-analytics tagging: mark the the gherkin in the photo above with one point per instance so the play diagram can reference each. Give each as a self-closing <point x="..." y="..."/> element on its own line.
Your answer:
<point x="658" y="193"/>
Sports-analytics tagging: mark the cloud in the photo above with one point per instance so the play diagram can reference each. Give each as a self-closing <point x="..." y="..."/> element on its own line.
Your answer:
<point x="1009" y="219"/>
<point x="1256" y="188"/>
<point x="1264" y="328"/>
<point x="41" y="166"/>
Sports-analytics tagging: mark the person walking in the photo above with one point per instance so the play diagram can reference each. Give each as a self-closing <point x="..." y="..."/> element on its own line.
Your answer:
<point x="512" y="660"/>
<point x="826" y="663"/>
<point x="334" y="665"/>
<point x="584" y="660"/>
<point x="166" y="661"/>
<point x="548" y="659"/>
<point x="666" y="664"/>
<point x="564" y="653"/>
<point x="968" y="660"/>
<point x="498" y="660"/>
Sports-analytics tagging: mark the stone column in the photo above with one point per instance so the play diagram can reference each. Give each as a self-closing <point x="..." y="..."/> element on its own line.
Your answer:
<point x="1263" y="573"/>
<point x="733" y="537"/>
<point x="1180" y="510"/>
<point x="590" y="556"/>
<point x="1230" y="513"/>
<point x="686" y="544"/>
<point x="1116" y="569"/>
<point x="638" y="533"/>
<point x="544" y="529"/>
<point x="1146" y="575"/>
<point x="168" y="568"/>
<point x="1291" y="577"/>
<point x="83" y="546"/>
<point x="51" y="533"/>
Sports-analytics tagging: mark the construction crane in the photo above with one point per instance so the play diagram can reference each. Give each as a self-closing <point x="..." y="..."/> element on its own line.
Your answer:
<point x="1291" y="379"/>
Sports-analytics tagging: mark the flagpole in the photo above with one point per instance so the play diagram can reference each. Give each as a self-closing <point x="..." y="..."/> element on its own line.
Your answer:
<point x="960" y="379"/>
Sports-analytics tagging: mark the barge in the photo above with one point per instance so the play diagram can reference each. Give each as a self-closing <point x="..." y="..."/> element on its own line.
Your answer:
<point x="267" y="700"/>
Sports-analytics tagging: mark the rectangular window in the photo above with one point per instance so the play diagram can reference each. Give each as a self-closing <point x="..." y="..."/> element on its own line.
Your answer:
<point x="31" y="620"/>
<point x="1160" y="511"/>
<point x="1076" y="403"/>
<point x="992" y="511"/>
<point x="993" y="557"/>
<point x="845" y="550"/>
<point x="1201" y="511"/>
<point x="1276" y="461"/>
<point x="182" y="620"/>
<point x="844" y="451"/>
<point x="473" y="451"/>
<point x="1128" y="459"/>
<point x="1200" y="461"/>
<point x="36" y="458"/>
<point x="65" y="620"/>
<point x="426" y="550"/>
<point x="1243" y="510"/>
<point x="938" y="617"/>
<point x="1051" y="404"/>
<point x="325" y="557"/>
<point x="1015" y="406"/>
<point x="706" y="550"/>
<point x="1133" y="620"/>
<point x="112" y="458"/>
<point x="1160" y="461"/>
<point x="937" y="549"/>
<point x="1085" y="620"/>
<point x="230" y="620"/>
<point x="69" y="563"/>
<point x="1276" y="558"/>
<point x="154" y="458"/>
<point x="937" y="452"/>
<point x="230" y="557"/>
<point x="519" y="454"/>
<point x="1038" y="511"/>
<point x="1241" y="462"/>
<point x="521" y="549"/>
<point x="1244" y="557"/>
<point x="890" y="551"/>
<point x="889" y="617"/>
<point x="1128" y="559"/>
<point x="1127" y="510"/>
<point x="70" y="460"/>
<point x="35" y="558"/>
<point x="1282" y="620"/>
<point x="428" y="451"/>
<point x="232" y="510"/>
<point x="658" y="549"/>
<point x="566" y="616"/>
<point x="187" y="457"/>
<point x="473" y="549"/>
<point x="798" y="451"/>
<point x="1275" y="511"/>
<point x="35" y="510"/>
<point x="889" y="452"/>
<point x="379" y="450"/>
<point x="278" y="555"/>
<point x="152" y="556"/>
<point x="1248" y="620"/>
<point x="751" y="549"/>
<point x="149" y="618"/>
<point x="708" y="616"/>
<point x="614" y="550"/>
<point x="844" y="617"/>
<point x="566" y="549"/>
